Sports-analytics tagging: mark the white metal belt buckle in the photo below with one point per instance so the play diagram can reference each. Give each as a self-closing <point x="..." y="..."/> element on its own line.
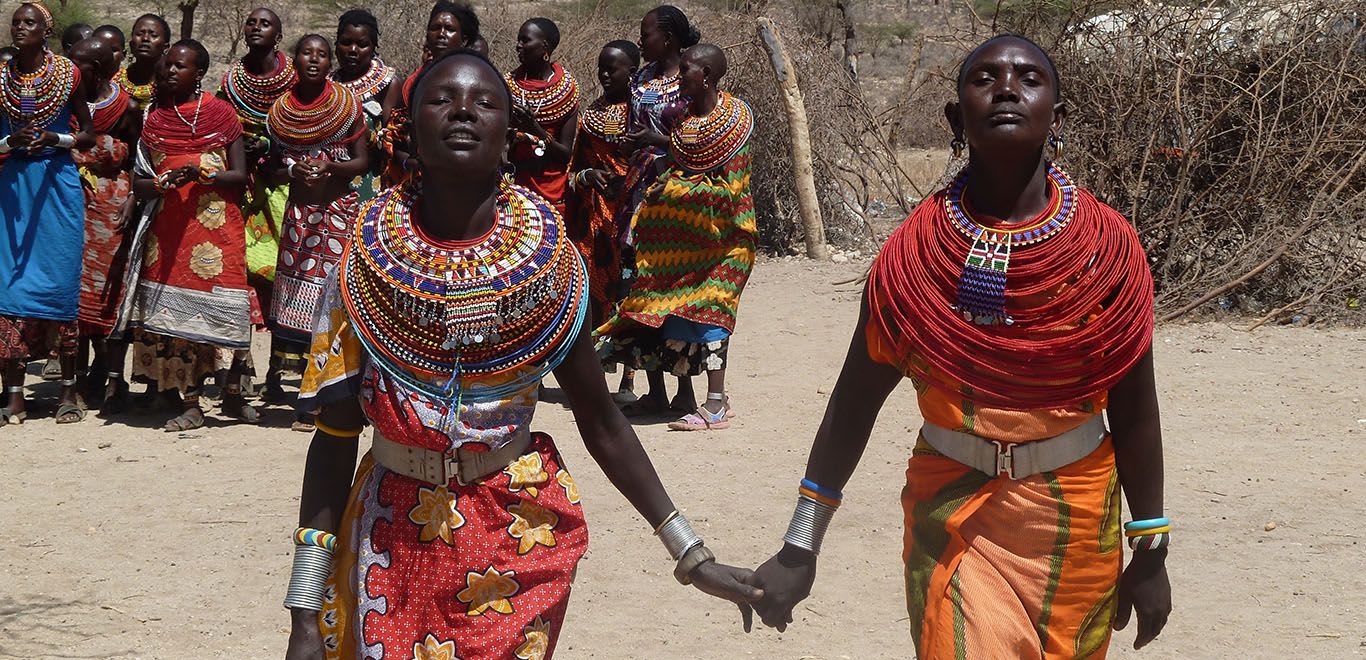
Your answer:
<point x="1005" y="459"/>
<point x="452" y="465"/>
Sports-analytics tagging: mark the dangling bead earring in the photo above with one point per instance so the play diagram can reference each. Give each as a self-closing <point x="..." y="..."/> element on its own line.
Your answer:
<point x="1056" y="142"/>
<point x="957" y="145"/>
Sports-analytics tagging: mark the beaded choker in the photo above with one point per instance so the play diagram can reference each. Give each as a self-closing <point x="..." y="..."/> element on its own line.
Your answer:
<point x="369" y="84"/>
<point x="606" y="121"/>
<point x="549" y="100"/>
<point x="140" y="93"/>
<point x="107" y="112"/>
<point x="982" y="287"/>
<point x="326" y="124"/>
<point x="254" y="96"/>
<point x="443" y="316"/>
<point x="40" y="96"/>
<point x="654" y="91"/>
<point x="704" y="143"/>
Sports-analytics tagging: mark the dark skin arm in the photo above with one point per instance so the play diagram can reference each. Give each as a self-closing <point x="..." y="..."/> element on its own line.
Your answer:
<point x="648" y="138"/>
<point x="559" y="150"/>
<point x="30" y="136"/>
<point x="327" y="483"/>
<point x="1136" y="430"/>
<point x="613" y="443"/>
<point x="233" y="177"/>
<point x="861" y="390"/>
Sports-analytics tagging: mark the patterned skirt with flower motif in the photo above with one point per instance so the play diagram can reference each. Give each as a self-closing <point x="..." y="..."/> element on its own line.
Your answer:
<point x="311" y="246"/>
<point x="193" y="276"/>
<point x="107" y="186"/>
<point x="474" y="572"/>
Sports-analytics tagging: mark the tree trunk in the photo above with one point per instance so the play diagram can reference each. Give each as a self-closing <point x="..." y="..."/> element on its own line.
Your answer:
<point x="846" y="10"/>
<point x="800" y="135"/>
<point x="187" y="18"/>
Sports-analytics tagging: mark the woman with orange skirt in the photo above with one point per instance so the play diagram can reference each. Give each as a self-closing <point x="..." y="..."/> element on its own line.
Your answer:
<point x="1021" y="308"/>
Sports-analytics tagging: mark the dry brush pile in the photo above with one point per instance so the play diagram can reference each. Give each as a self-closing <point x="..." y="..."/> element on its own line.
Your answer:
<point x="1233" y="136"/>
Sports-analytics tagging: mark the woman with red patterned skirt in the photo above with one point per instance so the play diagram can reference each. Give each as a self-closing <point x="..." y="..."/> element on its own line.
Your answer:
<point x="694" y="241"/>
<point x="597" y="172"/>
<point x="106" y="175"/>
<point x="360" y="70"/>
<point x="1021" y="308"/>
<point x="317" y="136"/>
<point x="462" y="528"/>
<point x="252" y="84"/>
<point x="546" y="113"/>
<point x="449" y="25"/>
<point x="41" y="210"/>
<point x="190" y="298"/>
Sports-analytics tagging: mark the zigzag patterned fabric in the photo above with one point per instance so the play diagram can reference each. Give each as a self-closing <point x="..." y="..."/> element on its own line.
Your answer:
<point x="695" y="245"/>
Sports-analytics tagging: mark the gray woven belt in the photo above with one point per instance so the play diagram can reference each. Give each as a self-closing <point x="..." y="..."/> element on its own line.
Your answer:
<point x="1017" y="461"/>
<point x="438" y="468"/>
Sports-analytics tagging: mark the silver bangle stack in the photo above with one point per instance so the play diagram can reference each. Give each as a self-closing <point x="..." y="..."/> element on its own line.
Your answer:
<point x="678" y="536"/>
<point x="684" y="546"/>
<point x="809" y="522"/>
<point x="308" y="579"/>
<point x="4" y="145"/>
<point x="65" y="140"/>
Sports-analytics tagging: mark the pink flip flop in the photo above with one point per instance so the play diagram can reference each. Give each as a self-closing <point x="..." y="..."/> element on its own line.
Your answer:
<point x="702" y="420"/>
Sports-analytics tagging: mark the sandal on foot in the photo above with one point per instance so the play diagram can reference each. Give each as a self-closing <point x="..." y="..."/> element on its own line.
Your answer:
<point x="624" y="397"/>
<point x="8" y="417"/>
<point x="274" y="394"/>
<point x="70" y="412"/>
<point x="187" y="421"/>
<point x="236" y="407"/>
<point x="303" y="427"/>
<point x="702" y="420"/>
<point x="52" y="369"/>
<point x="117" y="402"/>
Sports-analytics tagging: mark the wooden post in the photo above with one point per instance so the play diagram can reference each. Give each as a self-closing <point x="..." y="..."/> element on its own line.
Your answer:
<point x="800" y="134"/>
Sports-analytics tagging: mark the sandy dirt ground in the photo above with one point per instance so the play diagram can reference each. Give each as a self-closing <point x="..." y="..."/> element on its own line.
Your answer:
<point x="121" y="541"/>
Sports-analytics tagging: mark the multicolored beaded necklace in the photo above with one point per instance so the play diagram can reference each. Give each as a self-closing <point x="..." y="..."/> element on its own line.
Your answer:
<point x="40" y="96"/>
<point x="140" y="93"/>
<point x="982" y="286"/>
<point x="325" y="125"/>
<point x="549" y="100"/>
<point x="444" y="317"/>
<point x="371" y="84"/>
<point x="606" y="121"/>
<point x="106" y="112"/>
<point x="655" y="91"/>
<point x="704" y="143"/>
<point x="254" y="96"/>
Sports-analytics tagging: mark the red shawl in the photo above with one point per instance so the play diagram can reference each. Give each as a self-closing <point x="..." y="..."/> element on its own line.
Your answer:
<point x="1081" y="303"/>
<point x="168" y="129"/>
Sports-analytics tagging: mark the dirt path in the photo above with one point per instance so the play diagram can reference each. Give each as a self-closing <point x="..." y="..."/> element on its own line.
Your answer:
<point x="123" y="541"/>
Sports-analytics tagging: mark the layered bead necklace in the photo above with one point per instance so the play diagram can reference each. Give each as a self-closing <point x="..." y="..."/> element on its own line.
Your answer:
<point x="370" y="85"/>
<point x="325" y="124"/>
<point x="140" y="93"/>
<point x="40" y="96"/>
<point x="1080" y="296"/>
<point x="106" y="112"/>
<point x="654" y="91"/>
<point x="550" y="100"/>
<point x="440" y="317"/>
<point x="704" y="143"/>
<point x="254" y="96"/>
<point x="982" y="287"/>
<point x="606" y="121"/>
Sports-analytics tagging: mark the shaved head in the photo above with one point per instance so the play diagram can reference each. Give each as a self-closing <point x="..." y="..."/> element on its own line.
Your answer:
<point x="709" y="57"/>
<point x="97" y="54"/>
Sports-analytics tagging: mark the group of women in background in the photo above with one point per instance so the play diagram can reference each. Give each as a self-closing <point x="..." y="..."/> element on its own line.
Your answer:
<point x="195" y="214"/>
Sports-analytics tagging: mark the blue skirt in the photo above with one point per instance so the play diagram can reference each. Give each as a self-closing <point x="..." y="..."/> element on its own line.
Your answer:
<point x="42" y="234"/>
